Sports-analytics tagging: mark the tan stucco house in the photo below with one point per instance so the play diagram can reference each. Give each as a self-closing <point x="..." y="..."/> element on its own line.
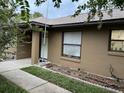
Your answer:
<point x="74" y="42"/>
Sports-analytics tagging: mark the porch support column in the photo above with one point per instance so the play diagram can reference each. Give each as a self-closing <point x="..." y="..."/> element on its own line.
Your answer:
<point x="35" y="47"/>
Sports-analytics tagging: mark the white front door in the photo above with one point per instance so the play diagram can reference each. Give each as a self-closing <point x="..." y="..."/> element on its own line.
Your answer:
<point x="44" y="48"/>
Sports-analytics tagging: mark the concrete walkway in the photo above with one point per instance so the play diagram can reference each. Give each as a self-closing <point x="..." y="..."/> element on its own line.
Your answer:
<point x="14" y="64"/>
<point x="11" y="70"/>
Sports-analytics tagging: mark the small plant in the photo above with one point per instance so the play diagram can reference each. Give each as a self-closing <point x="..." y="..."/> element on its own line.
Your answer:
<point x="79" y="69"/>
<point x="120" y="49"/>
<point x="111" y="69"/>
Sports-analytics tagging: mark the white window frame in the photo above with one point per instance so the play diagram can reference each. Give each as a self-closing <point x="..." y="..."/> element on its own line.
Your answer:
<point x="69" y="44"/>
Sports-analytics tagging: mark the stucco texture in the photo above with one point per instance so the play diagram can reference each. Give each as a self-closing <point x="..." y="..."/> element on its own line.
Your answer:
<point x="95" y="57"/>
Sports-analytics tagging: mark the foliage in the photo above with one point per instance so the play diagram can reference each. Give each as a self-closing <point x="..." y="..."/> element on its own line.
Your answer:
<point x="25" y="11"/>
<point x="111" y="70"/>
<point x="7" y="25"/>
<point x="24" y="6"/>
<point x="35" y="15"/>
<point x="7" y="40"/>
<point x="7" y="12"/>
<point x="18" y="17"/>
<point x="96" y="7"/>
<point x="65" y="82"/>
<point x="8" y="87"/>
<point x="8" y="22"/>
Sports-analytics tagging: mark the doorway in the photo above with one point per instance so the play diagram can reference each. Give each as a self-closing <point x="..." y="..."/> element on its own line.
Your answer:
<point x="43" y="48"/>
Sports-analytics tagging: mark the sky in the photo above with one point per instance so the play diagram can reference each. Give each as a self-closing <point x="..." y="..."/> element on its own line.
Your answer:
<point x="66" y="8"/>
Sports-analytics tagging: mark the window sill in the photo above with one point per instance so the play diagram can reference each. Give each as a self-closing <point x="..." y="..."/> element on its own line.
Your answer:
<point x="121" y="54"/>
<point x="71" y="59"/>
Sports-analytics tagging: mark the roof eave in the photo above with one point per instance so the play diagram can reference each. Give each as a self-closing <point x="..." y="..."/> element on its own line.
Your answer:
<point x="111" y="21"/>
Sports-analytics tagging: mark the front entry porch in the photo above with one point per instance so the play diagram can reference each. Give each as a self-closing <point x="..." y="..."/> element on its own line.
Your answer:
<point x="39" y="48"/>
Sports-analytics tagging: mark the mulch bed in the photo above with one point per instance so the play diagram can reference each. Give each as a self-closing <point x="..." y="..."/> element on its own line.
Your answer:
<point x="106" y="82"/>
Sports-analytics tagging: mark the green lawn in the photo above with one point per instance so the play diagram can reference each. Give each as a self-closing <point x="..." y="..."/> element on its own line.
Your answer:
<point x="8" y="87"/>
<point x="65" y="82"/>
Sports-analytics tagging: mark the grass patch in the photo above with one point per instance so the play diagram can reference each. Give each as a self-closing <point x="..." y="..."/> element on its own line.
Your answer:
<point x="8" y="87"/>
<point x="65" y="82"/>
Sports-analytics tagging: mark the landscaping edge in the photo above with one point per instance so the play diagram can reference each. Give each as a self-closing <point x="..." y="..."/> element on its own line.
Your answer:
<point x="109" y="89"/>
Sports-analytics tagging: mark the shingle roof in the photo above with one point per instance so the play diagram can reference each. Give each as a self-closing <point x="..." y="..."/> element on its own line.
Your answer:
<point x="117" y="14"/>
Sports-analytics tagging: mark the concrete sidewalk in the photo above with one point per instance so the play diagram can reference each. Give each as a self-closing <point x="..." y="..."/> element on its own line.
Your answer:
<point x="27" y="81"/>
<point x="14" y="64"/>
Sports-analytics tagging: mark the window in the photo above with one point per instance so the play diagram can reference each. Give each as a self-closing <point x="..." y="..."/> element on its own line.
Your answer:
<point x="71" y="44"/>
<point x="117" y="41"/>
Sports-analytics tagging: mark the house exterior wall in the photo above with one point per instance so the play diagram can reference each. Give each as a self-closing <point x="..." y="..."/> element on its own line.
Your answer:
<point x="23" y="51"/>
<point x="95" y="57"/>
<point x="54" y="50"/>
<point x="24" y="48"/>
<point x="35" y="47"/>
